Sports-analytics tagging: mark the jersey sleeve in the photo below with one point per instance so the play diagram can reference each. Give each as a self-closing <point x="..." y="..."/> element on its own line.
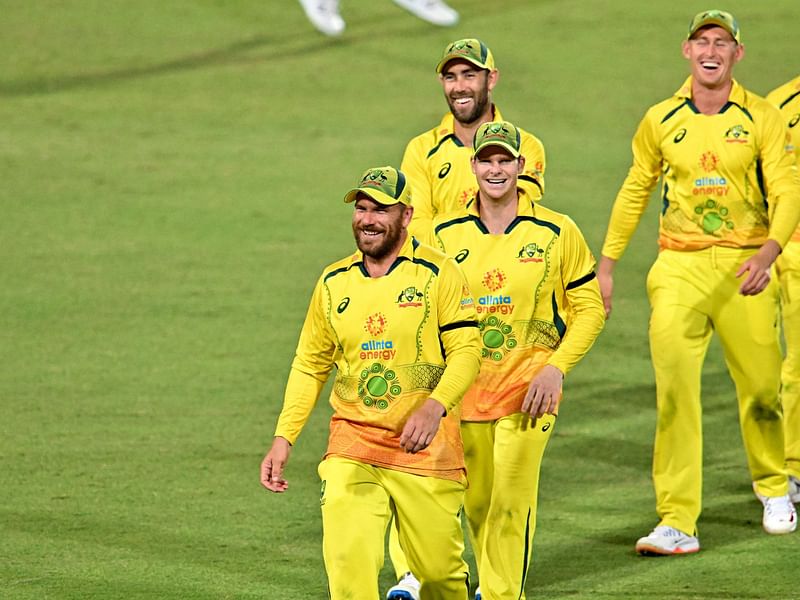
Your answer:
<point x="635" y="192"/>
<point x="532" y="178"/>
<point x="781" y="179"/>
<point x="584" y="303"/>
<point x="458" y="333"/>
<point x="413" y="167"/>
<point x="311" y="366"/>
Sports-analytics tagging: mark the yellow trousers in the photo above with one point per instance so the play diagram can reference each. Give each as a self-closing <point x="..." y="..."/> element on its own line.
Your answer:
<point x="691" y="294"/>
<point x="503" y="460"/>
<point x="357" y="502"/>
<point x="789" y="277"/>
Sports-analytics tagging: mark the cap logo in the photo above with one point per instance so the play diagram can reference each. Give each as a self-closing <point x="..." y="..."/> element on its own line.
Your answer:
<point x="460" y="47"/>
<point x="376" y="178"/>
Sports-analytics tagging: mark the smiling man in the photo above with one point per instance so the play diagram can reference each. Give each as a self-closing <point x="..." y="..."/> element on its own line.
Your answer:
<point x="533" y="262"/>
<point x="719" y="149"/>
<point x="397" y="321"/>
<point x="437" y="162"/>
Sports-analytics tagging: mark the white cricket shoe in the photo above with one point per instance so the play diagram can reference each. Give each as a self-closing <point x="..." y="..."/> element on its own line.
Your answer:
<point x="406" y="589"/>
<point x="666" y="541"/>
<point x="432" y="11"/>
<point x="794" y="489"/>
<point x="324" y="15"/>
<point x="779" y="515"/>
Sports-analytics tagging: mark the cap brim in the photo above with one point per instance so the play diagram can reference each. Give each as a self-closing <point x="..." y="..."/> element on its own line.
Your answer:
<point x="503" y="145"/>
<point x="377" y="195"/>
<point x="714" y="22"/>
<point x="443" y="63"/>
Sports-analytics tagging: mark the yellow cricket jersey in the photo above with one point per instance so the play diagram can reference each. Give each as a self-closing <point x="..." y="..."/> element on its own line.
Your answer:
<point x="395" y="340"/>
<point x="787" y="99"/>
<point x="438" y="166"/>
<point x="728" y="179"/>
<point x="537" y="299"/>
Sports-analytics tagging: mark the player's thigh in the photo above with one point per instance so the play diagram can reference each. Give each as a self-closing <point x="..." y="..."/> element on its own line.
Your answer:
<point x="355" y="509"/>
<point x="428" y="514"/>
<point x="518" y="451"/>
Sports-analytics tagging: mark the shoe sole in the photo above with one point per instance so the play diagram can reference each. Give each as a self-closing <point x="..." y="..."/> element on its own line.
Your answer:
<point x="648" y="550"/>
<point x="781" y="531"/>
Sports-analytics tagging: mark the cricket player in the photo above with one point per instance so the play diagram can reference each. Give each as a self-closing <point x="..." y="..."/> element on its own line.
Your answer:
<point x="397" y="321"/>
<point x="730" y="201"/>
<point x="540" y="310"/>
<point x="437" y="162"/>
<point x="787" y="99"/>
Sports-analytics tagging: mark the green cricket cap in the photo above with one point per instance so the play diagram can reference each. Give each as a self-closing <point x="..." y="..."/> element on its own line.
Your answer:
<point x="719" y="18"/>
<point x="469" y="49"/>
<point x="385" y="185"/>
<point x="497" y="133"/>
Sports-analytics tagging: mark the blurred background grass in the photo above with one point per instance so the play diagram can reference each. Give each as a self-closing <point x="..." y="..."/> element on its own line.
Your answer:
<point x="172" y="176"/>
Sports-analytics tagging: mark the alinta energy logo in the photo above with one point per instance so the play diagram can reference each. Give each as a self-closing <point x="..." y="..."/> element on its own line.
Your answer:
<point x="531" y="253"/>
<point x="495" y="280"/>
<point x="375" y="325"/>
<point x="710" y="185"/>
<point x="737" y="135"/>
<point x="378" y="386"/>
<point x="410" y="297"/>
<point x="498" y="338"/>
<point x="466" y="298"/>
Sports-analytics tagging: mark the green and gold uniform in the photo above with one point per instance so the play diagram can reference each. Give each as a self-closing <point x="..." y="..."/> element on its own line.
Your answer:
<point x="729" y="184"/>
<point x="787" y="99"/>
<point x="438" y="166"/>
<point x="395" y="340"/>
<point x="538" y="303"/>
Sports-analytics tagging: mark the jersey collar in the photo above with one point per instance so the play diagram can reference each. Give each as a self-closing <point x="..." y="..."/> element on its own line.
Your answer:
<point x="447" y="127"/>
<point x="406" y="253"/>
<point x="737" y="95"/>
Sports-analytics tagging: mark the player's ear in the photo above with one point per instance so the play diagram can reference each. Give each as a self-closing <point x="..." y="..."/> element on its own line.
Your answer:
<point x="520" y="165"/>
<point x="407" y="214"/>
<point x="472" y="162"/>
<point x="685" y="49"/>
<point x="492" y="78"/>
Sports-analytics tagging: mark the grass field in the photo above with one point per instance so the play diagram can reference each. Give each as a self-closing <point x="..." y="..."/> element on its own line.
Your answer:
<point x="172" y="176"/>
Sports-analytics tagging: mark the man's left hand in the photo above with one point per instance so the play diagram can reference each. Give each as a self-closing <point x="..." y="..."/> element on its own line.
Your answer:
<point x="421" y="427"/>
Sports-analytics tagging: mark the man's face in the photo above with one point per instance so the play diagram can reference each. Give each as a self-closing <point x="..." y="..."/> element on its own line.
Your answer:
<point x="496" y="171"/>
<point x="712" y="53"/>
<point x="466" y="89"/>
<point x="378" y="229"/>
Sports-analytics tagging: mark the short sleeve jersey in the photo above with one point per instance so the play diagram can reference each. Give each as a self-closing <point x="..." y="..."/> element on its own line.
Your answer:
<point x="438" y="166"/>
<point x="787" y="99"/>
<point x="389" y="338"/>
<point x="728" y="178"/>
<point x="525" y="282"/>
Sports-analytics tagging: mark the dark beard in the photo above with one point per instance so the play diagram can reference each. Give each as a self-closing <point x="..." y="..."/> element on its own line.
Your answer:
<point x="481" y="104"/>
<point x="391" y="241"/>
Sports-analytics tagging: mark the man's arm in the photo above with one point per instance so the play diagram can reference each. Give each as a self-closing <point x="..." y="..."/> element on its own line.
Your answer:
<point x="629" y="204"/>
<point x="413" y="166"/>
<point x="311" y="366"/>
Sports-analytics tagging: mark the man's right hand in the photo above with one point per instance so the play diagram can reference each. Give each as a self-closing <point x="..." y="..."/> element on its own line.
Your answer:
<point x="273" y="464"/>
<point x="605" y="277"/>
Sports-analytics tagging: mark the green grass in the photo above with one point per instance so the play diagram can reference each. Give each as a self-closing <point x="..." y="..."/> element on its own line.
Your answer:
<point x="171" y="183"/>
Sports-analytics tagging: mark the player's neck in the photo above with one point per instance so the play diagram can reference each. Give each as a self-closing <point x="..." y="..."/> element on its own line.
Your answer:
<point x="378" y="267"/>
<point x="498" y="214"/>
<point x="465" y="132"/>
<point x="710" y="100"/>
